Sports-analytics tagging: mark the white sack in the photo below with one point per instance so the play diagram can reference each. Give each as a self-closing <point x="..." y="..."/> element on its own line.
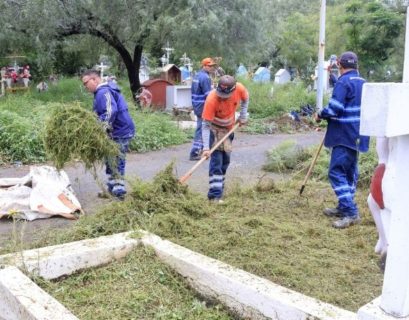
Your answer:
<point x="50" y="194"/>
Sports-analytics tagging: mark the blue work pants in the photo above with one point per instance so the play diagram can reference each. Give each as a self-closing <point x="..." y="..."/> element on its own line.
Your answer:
<point x="343" y="176"/>
<point x="116" y="170"/>
<point x="219" y="162"/>
<point x="197" y="145"/>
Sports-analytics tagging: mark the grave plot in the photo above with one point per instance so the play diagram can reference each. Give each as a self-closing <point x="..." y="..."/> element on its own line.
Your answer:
<point x="246" y="295"/>
<point x="136" y="287"/>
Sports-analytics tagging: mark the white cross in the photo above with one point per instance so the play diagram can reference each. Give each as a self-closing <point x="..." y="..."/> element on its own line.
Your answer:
<point x="185" y="59"/>
<point x="385" y="113"/>
<point x="102" y="67"/>
<point x="164" y="60"/>
<point x="168" y="50"/>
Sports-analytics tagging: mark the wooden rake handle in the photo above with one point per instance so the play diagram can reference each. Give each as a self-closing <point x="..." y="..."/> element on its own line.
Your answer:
<point x="188" y="174"/>
<point x="311" y="166"/>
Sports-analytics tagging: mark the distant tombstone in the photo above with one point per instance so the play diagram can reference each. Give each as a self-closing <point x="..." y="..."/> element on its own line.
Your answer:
<point x="42" y="86"/>
<point x="143" y="73"/>
<point x="185" y="73"/>
<point x="2" y="80"/>
<point x="241" y="71"/>
<point x="262" y="75"/>
<point x="331" y="73"/>
<point x="282" y="76"/>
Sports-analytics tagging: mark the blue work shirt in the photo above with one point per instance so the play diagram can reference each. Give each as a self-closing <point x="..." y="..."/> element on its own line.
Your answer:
<point x="343" y="113"/>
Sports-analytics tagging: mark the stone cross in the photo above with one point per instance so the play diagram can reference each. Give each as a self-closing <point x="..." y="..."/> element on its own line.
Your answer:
<point x="385" y="113"/>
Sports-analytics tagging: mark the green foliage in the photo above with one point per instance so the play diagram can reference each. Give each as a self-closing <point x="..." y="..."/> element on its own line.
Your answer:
<point x="260" y="126"/>
<point x="268" y="101"/>
<point x="286" y="157"/>
<point x="67" y="90"/>
<point x="19" y="139"/>
<point x="154" y="131"/>
<point x="372" y="30"/>
<point x="22" y="119"/>
<point x="298" y="40"/>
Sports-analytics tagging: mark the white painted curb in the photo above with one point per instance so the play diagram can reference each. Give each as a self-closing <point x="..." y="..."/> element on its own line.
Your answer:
<point x="372" y="311"/>
<point x="248" y="295"/>
<point x="21" y="299"/>
<point x="65" y="259"/>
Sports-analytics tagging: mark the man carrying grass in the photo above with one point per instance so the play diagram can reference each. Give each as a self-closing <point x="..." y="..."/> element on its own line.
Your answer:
<point x="112" y="110"/>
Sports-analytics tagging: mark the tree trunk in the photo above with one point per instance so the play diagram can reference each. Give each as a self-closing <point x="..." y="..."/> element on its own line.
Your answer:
<point x="132" y="66"/>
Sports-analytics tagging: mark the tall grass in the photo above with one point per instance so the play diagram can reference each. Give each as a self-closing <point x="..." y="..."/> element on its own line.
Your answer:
<point x="289" y="157"/>
<point x="268" y="100"/>
<point x="22" y="119"/>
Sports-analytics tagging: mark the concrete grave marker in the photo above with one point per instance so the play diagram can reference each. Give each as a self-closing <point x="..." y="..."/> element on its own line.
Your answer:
<point x="385" y="113"/>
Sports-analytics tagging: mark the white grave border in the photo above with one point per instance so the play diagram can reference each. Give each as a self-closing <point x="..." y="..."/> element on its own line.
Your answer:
<point x="245" y="294"/>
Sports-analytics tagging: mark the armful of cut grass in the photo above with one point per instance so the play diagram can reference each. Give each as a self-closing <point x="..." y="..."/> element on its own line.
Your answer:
<point x="74" y="133"/>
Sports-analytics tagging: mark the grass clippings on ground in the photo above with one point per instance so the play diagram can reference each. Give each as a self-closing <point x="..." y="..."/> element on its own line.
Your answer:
<point x="137" y="287"/>
<point x="271" y="232"/>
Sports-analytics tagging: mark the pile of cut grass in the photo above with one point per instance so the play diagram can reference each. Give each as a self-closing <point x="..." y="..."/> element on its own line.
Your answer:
<point x="144" y="289"/>
<point x="275" y="234"/>
<point x="74" y="133"/>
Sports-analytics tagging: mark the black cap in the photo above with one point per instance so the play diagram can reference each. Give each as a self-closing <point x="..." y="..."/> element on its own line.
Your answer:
<point x="348" y="60"/>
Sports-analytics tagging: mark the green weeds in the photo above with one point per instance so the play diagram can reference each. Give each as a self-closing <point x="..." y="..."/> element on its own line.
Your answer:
<point x="23" y="116"/>
<point x="289" y="157"/>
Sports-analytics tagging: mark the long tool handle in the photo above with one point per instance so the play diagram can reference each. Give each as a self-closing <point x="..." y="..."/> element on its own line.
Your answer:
<point x="311" y="166"/>
<point x="188" y="174"/>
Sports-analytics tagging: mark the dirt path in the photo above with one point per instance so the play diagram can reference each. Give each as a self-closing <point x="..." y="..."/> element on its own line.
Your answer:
<point x="249" y="155"/>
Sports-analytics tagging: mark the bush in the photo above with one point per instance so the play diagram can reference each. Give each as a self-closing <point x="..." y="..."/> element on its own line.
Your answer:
<point x="19" y="139"/>
<point x="65" y="91"/>
<point x="155" y="131"/>
<point x="286" y="157"/>
<point x="267" y="100"/>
